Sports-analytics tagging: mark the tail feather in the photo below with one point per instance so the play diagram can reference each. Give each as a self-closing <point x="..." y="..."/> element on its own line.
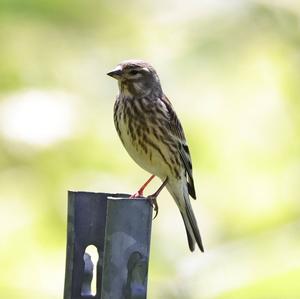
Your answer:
<point x="190" y="238"/>
<point x="194" y="226"/>
<point x="180" y="193"/>
<point x="181" y="196"/>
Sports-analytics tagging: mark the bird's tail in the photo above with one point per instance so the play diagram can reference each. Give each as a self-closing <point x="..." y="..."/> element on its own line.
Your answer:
<point x="191" y="228"/>
<point x="183" y="202"/>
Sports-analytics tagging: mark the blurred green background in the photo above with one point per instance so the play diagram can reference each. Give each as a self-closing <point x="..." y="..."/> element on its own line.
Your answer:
<point x="231" y="69"/>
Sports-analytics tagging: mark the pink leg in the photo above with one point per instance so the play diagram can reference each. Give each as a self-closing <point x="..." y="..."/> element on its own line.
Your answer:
<point x="139" y="193"/>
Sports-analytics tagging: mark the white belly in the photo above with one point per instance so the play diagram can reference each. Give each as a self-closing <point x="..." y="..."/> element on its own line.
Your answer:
<point x="150" y="161"/>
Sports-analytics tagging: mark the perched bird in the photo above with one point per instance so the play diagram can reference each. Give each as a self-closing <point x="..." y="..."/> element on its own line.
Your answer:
<point x="153" y="136"/>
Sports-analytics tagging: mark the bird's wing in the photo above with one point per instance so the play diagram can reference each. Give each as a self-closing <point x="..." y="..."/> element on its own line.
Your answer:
<point x="177" y="131"/>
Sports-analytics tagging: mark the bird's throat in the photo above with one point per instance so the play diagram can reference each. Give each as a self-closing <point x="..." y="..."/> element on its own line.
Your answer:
<point x="133" y="89"/>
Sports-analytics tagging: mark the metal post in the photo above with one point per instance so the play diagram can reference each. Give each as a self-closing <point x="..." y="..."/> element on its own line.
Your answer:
<point x="120" y="229"/>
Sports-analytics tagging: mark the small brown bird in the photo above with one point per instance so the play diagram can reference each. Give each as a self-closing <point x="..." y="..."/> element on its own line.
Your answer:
<point x="153" y="136"/>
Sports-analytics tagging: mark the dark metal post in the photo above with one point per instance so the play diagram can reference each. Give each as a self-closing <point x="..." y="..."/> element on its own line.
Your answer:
<point x="120" y="229"/>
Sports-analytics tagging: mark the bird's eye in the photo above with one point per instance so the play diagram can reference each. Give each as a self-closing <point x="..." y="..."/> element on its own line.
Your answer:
<point x="133" y="72"/>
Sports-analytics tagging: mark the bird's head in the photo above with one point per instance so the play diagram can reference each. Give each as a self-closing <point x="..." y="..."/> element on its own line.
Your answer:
<point x="136" y="78"/>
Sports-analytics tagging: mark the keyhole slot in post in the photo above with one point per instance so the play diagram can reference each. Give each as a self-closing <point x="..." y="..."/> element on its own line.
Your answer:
<point x="89" y="282"/>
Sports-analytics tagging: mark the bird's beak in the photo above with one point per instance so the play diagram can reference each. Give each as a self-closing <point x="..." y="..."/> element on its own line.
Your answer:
<point x="115" y="73"/>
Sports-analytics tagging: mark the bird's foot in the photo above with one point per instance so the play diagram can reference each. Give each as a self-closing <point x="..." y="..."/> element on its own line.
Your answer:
<point x="137" y="194"/>
<point x="140" y="192"/>
<point x="153" y="202"/>
<point x="152" y="198"/>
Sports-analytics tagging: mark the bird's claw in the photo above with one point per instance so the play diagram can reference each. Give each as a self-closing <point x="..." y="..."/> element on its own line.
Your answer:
<point x="140" y="192"/>
<point x="137" y="194"/>
<point x="153" y="202"/>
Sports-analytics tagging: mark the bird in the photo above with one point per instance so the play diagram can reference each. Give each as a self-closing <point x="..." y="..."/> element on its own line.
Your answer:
<point x="153" y="136"/>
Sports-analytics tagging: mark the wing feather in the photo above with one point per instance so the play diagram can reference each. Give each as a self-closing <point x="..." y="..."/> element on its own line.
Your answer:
<point x="177" y="131"/>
